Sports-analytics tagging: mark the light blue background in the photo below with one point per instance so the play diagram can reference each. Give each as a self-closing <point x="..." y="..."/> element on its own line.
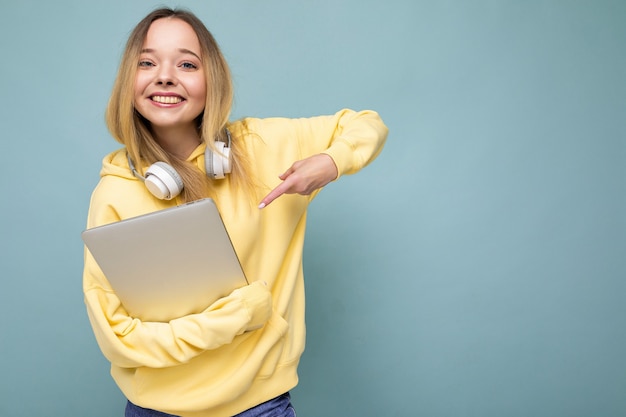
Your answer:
<point x="475" y="269"/>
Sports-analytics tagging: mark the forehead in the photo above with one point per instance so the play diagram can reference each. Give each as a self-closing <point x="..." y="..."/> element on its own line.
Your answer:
<point x="171" y="34"/>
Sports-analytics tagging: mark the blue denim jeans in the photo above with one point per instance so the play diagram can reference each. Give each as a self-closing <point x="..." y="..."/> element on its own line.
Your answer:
<point x="276" y="407"/>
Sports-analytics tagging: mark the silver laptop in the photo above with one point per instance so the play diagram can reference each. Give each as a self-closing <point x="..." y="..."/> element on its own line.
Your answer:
<point x="169" y="263"/>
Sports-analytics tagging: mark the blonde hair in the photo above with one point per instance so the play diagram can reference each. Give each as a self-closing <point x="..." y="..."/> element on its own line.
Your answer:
<point x="133" y="131"/>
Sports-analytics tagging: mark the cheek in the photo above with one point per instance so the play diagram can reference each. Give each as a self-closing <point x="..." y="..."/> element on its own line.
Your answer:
<point x="139" y="85"/>
<point x="139" y="88"/>
<point x="199" y="89"/>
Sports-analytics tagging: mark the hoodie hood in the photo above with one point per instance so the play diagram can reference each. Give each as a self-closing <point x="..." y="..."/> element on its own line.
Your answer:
<point x="116" y="164"/>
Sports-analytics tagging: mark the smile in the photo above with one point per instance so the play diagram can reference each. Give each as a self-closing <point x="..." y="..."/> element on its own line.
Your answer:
<point x="167" y="99"/>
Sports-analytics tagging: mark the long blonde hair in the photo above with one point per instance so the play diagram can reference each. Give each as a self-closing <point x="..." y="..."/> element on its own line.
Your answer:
<point x="129" y="128"/>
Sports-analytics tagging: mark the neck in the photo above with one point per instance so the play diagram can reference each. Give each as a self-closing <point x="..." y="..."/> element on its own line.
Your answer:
<point x="176" y="141"/>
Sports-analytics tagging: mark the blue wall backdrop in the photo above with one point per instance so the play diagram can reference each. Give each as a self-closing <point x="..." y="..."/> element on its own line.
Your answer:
<point x="475" y="269"/>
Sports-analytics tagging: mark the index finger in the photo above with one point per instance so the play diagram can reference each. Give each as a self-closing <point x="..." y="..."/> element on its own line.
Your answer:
<point x="274" y="194"/>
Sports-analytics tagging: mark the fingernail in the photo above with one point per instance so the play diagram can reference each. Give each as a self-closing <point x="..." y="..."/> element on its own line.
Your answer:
<point x="261" y="205"/>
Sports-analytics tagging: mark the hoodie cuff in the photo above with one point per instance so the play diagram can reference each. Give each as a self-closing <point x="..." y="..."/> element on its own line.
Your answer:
<point x="341" y="153"/>
<point x="257" y="299"/>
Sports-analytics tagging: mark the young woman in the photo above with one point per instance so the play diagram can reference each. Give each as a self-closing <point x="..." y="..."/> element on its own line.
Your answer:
<point x="170" y="109"/>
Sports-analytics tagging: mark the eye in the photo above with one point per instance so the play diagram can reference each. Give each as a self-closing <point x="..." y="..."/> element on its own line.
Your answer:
<point x="145" y="63"/>
<point x="189" y="65"/>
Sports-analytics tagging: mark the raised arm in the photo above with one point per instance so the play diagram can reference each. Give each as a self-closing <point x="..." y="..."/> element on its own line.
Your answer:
<point x="339" y="144"/>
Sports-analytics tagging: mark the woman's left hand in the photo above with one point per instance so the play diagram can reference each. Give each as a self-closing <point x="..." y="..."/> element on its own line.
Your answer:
<point x="304" y="177"/>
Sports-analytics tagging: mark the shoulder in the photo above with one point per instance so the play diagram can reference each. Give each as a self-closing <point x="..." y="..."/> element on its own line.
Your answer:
<point x="260" y="126"/>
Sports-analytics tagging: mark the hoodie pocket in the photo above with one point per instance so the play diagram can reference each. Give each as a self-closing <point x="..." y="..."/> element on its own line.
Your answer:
<point x="272" y="343"/>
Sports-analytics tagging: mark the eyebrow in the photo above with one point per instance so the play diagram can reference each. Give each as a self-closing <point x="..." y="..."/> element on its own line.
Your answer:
<point x="181" y="50"/>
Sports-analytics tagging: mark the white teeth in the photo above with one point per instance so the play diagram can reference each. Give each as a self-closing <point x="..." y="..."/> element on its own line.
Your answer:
<point x="167" y="99"/>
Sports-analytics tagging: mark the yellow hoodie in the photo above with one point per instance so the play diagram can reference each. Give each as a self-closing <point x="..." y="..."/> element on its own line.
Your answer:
<point x="244" y="349"/>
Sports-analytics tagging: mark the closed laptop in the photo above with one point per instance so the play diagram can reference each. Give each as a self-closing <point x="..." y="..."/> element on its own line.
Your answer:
<point x="169" y="263"/>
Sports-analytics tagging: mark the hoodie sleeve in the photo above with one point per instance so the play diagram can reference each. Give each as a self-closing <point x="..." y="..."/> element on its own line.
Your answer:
<point x="351" y="138"/>
<point x="129" y="342"/>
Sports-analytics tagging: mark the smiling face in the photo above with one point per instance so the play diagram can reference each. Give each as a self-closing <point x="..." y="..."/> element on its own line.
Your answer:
<point x="170" y="85"/>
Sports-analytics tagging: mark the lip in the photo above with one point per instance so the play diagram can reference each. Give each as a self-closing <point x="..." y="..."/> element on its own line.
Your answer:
<point x="167" y="99"/>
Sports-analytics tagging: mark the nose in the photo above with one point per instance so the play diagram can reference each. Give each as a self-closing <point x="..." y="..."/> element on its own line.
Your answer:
<point x="165" y="76"/>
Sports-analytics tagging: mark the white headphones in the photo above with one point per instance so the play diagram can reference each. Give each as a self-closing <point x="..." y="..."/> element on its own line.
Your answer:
<point x="165" y="183"/>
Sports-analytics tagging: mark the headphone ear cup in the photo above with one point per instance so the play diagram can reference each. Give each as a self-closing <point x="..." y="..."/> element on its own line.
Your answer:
<point x="217" y="164"/>
<point x="226" y="160"/>
<point x="163" y="181"/>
